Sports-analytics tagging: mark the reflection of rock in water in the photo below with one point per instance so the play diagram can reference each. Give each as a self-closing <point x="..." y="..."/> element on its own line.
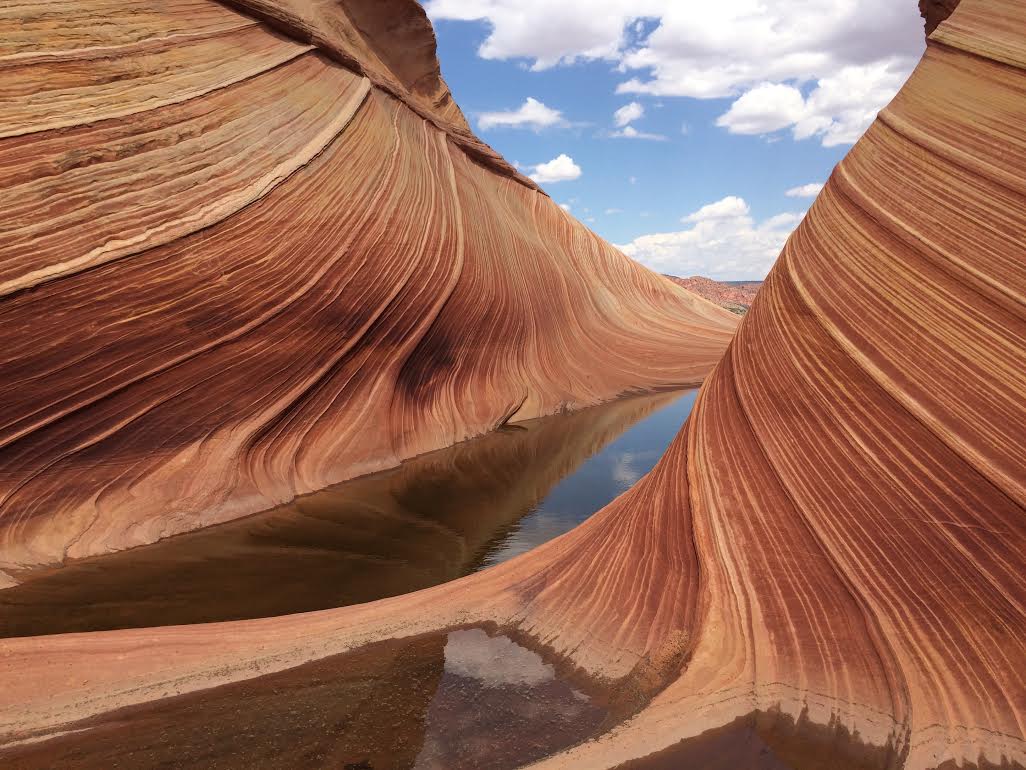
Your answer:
<point x="236" y="268"/>
<point x="493" y="704"/>
<point x="423" y="523"/>
<point x="770" y="740"/>
<point x="361" y="710"/>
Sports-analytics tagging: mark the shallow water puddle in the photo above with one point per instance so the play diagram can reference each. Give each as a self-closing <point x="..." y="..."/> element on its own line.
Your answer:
<point x="501" y="705"/>
<point x="770" y="740"/>
<point x="465" y="699"/>
<point x="432" y="519"/>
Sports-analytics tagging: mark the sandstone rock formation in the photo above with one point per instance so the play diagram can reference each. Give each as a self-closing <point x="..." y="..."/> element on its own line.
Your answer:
<point x="936" y="11"/>
<point x="428" y="521"/>
<point x="838" y="534"/>
<point x="241" y="261"/>
<point x="737" y="297"/>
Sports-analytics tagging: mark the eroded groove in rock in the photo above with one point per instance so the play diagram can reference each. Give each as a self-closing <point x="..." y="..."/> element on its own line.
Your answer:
<point x="67" y="29"/>
<point x="115" y="188"/>
<point x="836" y="536"/>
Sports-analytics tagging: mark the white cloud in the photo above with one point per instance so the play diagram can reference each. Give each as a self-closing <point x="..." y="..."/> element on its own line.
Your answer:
<point x="765" y="108"/>
<point x="549" y="33"/>
<point x="565" y="207"/>
<point x="810" y="190"/>
<point x="842" y="106"/>
<point x="724" y="242"/>
<point x="560" y="169"/>
<point x="838" y="110"/>
<point x="844" y="59"/>
<point x="625" y="470"/>
<point x="613" y="211"/>
<point x="531" y="114"/>
<point x="730" y="207"/>
<point x="628" y="114"/>
<point x="630" y="132"/>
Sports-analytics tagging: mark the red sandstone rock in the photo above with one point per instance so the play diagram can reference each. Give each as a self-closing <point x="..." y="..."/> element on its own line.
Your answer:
<point x="240" y="262"/>
<point x="936" y="11"/>
<point x="838" y="532"/>
<point x="735" y="296"/>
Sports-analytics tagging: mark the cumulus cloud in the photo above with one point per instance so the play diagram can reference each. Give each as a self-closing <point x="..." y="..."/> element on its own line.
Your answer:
<point x="724" y="242"/>
<point x="549" y="33"/>
<point x="560" y="169"/>
<point x="628" y="114"/>
<point x="765" y="108"/>
<point x="844" y="60"/>
<point x="624" y="116"/>
<point x="838" y="110"/>
<point x="810" y="190"/>
<point x="630" y="132"/>
<point x="730" y="207"/>
<point x="531" y="114"/>
<point x="613" y="211"/>
<point x="842" y="106"/>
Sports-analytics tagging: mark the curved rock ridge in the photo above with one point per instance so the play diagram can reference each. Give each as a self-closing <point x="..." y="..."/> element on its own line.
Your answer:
<point x="391" y="43"/>
<point x="234" y="270"/>
<point x="432" y="519"/>
<point x="936" y="11"/>
<point x="836" y="537"/>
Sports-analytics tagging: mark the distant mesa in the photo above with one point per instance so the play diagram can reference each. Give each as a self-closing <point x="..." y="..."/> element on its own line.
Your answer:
<point x="735" y="296"/>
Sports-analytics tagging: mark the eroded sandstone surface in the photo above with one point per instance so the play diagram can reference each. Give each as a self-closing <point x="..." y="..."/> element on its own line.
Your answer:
<point x="837" y="536"/>
<point x="251" y="250"/>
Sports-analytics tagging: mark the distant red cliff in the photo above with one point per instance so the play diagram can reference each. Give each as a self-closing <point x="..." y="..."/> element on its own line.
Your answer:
<point x="735" y="296"/>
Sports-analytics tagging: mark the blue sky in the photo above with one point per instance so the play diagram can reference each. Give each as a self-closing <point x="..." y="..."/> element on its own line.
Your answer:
<point x="725" y="110"/>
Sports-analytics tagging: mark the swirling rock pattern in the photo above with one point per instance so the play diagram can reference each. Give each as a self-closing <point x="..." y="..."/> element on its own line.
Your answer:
<point x="428" y="521"/>
<point x="837" y="535"/>
<point x="243" y="260"/>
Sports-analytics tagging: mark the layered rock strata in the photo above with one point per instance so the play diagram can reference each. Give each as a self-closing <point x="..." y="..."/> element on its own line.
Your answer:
<point x="242" y="260"/>
<point x="837" y="536"/>
<point x="737" y="297"/>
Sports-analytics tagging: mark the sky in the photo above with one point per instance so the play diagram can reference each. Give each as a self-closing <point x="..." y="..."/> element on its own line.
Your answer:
<point x="693" y="134"/>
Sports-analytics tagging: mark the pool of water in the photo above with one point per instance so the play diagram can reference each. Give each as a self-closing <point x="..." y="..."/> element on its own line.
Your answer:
<point x="603" y="477"/>
<point x="432" y="519"/>
<point x="770" y="740"/>
<point x="465" y="699"/>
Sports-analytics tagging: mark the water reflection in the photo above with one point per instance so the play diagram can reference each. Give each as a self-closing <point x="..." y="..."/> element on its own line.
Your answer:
<point x="605" y="476"/>
<point x="501" y="705"/>
<point x="771" y="740"/>
<point x="468" y="699"/>
<point x="433" y="519"/>
<point x="465" y="699"/>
